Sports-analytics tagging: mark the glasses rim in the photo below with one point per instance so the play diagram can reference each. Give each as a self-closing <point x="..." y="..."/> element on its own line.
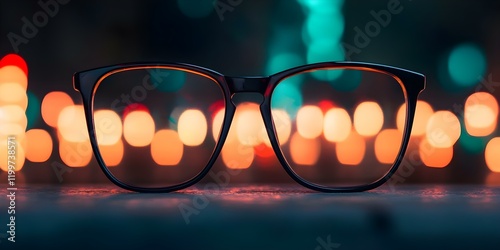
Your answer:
<point x="412" y="84"/>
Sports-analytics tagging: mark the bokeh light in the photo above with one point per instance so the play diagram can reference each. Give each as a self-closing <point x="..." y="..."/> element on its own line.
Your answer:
<point x="4" y="155"/>
<point x="492" y="154"/>
<point x="217" y="124"/>
<point x="249" y="124"/>
<point x="13" y="74"/>
<point x="13" y="114"/>
<point x="310" y="121"/>
<point x="304" y="151"/>
<point x="387" y="144"/>
<point x="287" y="96"/>
<point x="112" y="154"/>
<point x="443" y="129"/>
<point x="38" y="145"/>
<point x="368" y="118"/>
<point x="235" y="155"/>
<point x="108" y="127"/>
<point x="33" y="109"/>
<point x="284" y="61"/>
<point x="192" y="127"/>
<point x="481" y="114"/>
<point x="167" y="148"/>
<point x="325" y="50"/>
<point x="75" y="154"/>
<point x="436" y="157"/>
<point x="323" y="26"/>
<point x="282" y="125"/>
<point x="466" y="64"/>
<point x="14" y="60"/>
<point x="423" y="112"/>
<point x="13" y="94"/>
<point x="351" y="151"/>
<point x="72" y="125"/>
<point x="337" y="125"/>
<point x="138" y="128"/>
<point x="52" y="104"/>
<point x="168" y="80"/>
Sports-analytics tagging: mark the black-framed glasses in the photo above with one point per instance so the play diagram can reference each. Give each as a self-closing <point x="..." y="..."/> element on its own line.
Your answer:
<point x="333" y="126"/>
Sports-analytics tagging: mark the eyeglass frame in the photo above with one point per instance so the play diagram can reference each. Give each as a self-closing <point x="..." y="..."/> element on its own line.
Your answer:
<point x="412" y="84"/>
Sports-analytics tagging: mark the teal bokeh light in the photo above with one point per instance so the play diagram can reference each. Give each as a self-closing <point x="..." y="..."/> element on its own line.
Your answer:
<point x="323" y="51"/>
<point x="168" y="80"/>
<point x="322" y="6"/>
<point x="282" y="62"/>
<point x="196" y="9"/>
<point x="287" y="96"/>
<point x="33" y="110"/>
<point x="349" y="80"/>
<point x="466" y="64"/>
<point x="285" y="61"/>
<point x="323" y="26"/>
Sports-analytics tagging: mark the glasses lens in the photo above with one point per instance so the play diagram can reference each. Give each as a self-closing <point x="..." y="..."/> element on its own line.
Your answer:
<point x="155" y="126"/>
<point x="337" y="127"/>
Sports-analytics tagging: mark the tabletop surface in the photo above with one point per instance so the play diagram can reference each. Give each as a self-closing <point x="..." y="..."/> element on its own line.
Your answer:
<point x="255" y="217"/>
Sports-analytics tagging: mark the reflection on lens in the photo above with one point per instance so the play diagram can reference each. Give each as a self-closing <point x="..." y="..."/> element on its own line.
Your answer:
<point x="165" y="116"/>
<point x="344" y="133"/>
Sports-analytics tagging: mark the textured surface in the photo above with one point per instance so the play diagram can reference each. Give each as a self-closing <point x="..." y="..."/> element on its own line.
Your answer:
<point x="256" y="217"/>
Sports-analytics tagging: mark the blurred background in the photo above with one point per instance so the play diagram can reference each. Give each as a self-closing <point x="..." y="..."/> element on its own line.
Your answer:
<point x="454" y="44"/>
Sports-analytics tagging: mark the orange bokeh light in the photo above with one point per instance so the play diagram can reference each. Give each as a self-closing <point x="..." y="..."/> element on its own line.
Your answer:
<point x="72" y="125"/>
<point x="435" y="157"/>
<point x="167" y="148"/>
<point x="481" y="114"/>
<point x="387" y="144"/>
<point x="13" y="94"/>
<point x="192" y="127"/>
<point x="310" y="121"/>
<point x="351" y="151"/>
<point x="282" y="125"/>
<point x="13" y="74"/>
<point x="249" y="124"/>
<point x="112" y="154"/>
<point x="13" y="121"/>
<point x="138" y="128"/>
<point x="4" y="154"/>
<point x="423" y="112"/>
<point x="443" y="129"/>
<point x="337" y="125"/>
<point x="75" y="154"/>
<point x="52" y="105"/>
<point x="236" y="155"/>
<point x="108" y="127"/>
<point x="492" y="154"/>
<point x="38" y="145"/>
<point x="368" y="118"/>
<point x="217" y="124"/>
<point x="304" y="151"/>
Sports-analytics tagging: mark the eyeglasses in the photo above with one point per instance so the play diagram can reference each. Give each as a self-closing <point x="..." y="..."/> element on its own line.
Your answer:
<point x="333" y="126"/>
